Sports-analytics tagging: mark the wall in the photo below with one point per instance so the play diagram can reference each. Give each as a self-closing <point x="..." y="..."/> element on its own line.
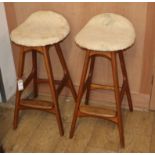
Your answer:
<point x="139" y="59"/>
<point x="6" y="59"/>
<point x="150" y="41"/>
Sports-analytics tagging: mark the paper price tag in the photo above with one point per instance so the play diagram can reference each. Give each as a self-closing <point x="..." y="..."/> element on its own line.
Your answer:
<point x="20" y="85"/>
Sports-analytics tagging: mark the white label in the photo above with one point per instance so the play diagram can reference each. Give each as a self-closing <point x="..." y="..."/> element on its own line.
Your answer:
<point x="20" y="85"/>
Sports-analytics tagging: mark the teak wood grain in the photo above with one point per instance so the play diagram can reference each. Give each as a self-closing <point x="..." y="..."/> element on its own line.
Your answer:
<point x="86" y="82"/>
<point x="53" y="106"/>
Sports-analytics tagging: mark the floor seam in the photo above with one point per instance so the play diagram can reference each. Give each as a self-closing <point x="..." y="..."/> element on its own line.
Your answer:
<point x="151" y="135"/>
<point x="32" y="134"/>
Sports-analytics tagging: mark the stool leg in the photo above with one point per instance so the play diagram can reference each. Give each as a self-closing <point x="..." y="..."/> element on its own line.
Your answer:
<point x="34" y="65"/>
<point x="90" y="75"/>
<point x="117" y="97"/>
<point x="65" y="69"/>
<point x="18" y="93"/>
<point x="80" y="93"/>
<point x="125" y="79"/>
<point x="53" y="91"/>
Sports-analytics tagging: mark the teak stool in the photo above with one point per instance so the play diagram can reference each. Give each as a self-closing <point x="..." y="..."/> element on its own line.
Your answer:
<point x="105" y="35"/>
<point x="35" y="35"/>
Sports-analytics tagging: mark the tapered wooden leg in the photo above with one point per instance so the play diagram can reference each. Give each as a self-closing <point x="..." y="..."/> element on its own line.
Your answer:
<point x="18" y="93"/>
<point x="53" y="90"/>
<point x="117" y="97"/>
<point x="90" y="79"/>
<point x="125" y="79"/>
<point x="80" y="93"/>
<point x="65" y="69"/>
<point x="122" y="92"/>
<point x="34" y="68"/>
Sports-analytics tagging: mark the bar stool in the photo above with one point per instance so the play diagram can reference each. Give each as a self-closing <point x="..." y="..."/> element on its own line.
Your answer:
<point x="41" y="30"/>
<point x="105" y="35"/>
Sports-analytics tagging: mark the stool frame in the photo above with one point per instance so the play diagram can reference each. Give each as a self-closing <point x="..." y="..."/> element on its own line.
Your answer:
<point x="52" y="107"/>
<point x="87" y="85"/>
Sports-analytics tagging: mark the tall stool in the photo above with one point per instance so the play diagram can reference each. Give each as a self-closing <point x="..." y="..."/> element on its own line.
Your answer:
<point x="41" y="30"/>
<point x="105" y="35"/>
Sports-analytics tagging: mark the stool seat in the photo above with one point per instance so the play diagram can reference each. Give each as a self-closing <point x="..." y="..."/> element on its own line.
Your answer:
<point x="106" y="32"/>
<point x="40" y="29"/>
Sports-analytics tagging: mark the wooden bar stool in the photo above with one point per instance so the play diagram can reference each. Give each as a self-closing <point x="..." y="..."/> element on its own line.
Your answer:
<point x="41" y="30"/>
<point x="105" y="35"/>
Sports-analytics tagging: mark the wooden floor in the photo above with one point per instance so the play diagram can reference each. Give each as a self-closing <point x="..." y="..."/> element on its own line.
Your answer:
<point x="38" y="132"/>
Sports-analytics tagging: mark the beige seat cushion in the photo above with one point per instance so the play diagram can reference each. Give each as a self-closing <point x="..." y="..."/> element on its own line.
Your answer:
<point x="106" y="32"/>
<point x="40" y="29"/>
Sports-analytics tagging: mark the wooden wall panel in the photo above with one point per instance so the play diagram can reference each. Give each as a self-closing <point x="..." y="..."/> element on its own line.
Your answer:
<point x="78" y="15"/>
<point x="148" y="51"/>
<point x="149" y="54"/>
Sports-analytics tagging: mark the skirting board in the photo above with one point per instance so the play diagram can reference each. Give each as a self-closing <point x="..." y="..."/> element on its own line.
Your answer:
<point x="140" y="101"/>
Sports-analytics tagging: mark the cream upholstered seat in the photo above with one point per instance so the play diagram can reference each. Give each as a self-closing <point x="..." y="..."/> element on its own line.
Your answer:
<point x="106" y="32"/>
<point x="40" y="29"/>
